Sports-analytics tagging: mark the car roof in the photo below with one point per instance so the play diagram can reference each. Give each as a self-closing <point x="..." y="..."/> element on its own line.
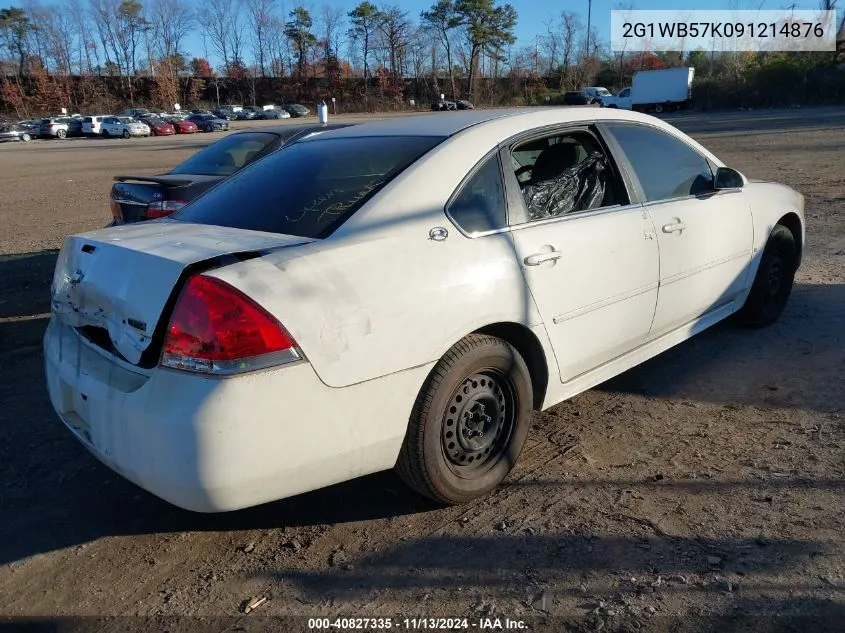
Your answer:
<point x="450" y="123"/>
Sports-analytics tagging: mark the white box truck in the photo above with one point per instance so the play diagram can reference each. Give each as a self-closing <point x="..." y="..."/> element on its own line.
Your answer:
<point x="658" y="90"/>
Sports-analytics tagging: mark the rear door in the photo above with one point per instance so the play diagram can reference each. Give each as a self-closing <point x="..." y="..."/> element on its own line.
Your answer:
<point x="705" y="237"/>
<point x="589" y="257"/>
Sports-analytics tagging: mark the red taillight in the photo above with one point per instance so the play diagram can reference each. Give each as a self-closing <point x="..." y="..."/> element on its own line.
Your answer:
<point x="164" y="208"/>
<point x="217" y="329"/>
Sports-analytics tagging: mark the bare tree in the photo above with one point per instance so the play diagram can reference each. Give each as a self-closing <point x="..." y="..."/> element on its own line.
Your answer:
<point x="261" y="21"/>
<point x="172" y="22"/>
<point x="570" y="28"/>
<point x="332" y="19"/>
<point x="443" y="20"/>
<point x="216" y="18"/>
<point x="395" y="28"/>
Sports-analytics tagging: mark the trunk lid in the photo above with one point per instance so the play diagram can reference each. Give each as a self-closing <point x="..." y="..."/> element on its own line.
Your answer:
<point x="131" y="195"/>
<point x="119" y="281"/>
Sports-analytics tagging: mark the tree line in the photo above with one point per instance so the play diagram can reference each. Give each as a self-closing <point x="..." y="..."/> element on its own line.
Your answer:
<point x="100" y="53"/>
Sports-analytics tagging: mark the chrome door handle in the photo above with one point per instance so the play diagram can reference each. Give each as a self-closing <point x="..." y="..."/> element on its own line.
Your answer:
<point x="674" y="228"/>
<point x="538" y="258"/>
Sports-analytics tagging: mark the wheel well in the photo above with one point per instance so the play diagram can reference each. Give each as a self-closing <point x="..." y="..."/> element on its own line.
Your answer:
<point x="793" y="223"/>
<point x="529" y="347"/>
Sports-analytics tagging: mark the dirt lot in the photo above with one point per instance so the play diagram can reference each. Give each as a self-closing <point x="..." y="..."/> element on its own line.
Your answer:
<point x="703" y="489"/>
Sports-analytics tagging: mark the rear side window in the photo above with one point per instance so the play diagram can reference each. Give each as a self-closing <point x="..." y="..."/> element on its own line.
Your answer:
<point x="480" y="203"/>
<point x="665" y="166"/>
<point x="310" y="188"/>
<point x="227" y="155"/>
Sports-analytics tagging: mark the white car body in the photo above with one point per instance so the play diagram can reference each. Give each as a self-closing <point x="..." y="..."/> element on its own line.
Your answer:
<point x="596" y="93"/>
<point x="91" y="124"/>
<point x="120" y="126"/>
<point x="375" y="305"/>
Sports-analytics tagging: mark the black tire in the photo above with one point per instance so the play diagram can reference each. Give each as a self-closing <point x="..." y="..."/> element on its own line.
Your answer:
<point x="126" y="134"/>
<point x="773" y="281"/>
<point x="61" y="134"/>
<point x="105" y="134"/>
<point x="445" y="455"/>
<point x="25" y="137"/>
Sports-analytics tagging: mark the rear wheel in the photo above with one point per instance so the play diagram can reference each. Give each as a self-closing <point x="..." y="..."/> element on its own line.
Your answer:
<point x="773" y="282"/>
<point x="61" y="134"/>
<point x="25" y="137"/>
<point x="469" y="421"/>
<point x="658" y="108"/>
<point x="104" y="134"/>
<point x="126" y="134"/>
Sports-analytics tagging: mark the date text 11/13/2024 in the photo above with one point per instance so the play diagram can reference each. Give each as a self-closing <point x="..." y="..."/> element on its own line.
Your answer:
<point x="417" y="624"/>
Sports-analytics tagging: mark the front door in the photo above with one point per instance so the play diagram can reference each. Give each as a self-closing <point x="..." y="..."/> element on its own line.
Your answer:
<point x="705" y="237"/>
<point x="591" y="261"/>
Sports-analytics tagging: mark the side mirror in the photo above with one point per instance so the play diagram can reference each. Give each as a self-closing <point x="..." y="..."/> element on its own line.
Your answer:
<point x="727" y="178"/>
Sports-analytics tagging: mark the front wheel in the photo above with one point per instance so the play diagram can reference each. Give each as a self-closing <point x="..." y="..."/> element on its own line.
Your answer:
<point x="469" y="421"/>
<point x="25" y="138"/>
<point x="126" y="134"/>
<point x="773" y="282"/>
<point x="61" y="134"/>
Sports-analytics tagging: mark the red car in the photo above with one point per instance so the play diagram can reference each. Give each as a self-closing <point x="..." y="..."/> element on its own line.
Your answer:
<point x="184" y="127"/>
<point x="159" y="127"/>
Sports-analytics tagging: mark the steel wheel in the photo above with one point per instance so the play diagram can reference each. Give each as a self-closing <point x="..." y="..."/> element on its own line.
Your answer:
<point x="25" y="137"/>
<point x="469" y="421"/>
<point x="126" y="134"/>
<point x="478" y="423"/>
<point x="773" y="282"/>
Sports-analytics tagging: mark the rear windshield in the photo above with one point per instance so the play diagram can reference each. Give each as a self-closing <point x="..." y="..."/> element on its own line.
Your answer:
<point x="308" y="189"/>
<point x="227" y="155"/>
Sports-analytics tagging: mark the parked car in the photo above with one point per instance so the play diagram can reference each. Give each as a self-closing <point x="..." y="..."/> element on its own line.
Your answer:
<point x="54" y="127"/>
<point x="183" y="126"/>
<point x="124" y="126"/>
<point x="201" y="112"/>
<point x="140" y="198"/>
<point x="91" y="124"/>
<point x="159" y="126"/>
<point x="136" y="113"/>
<point x="248" y="114"/>
<point x="175" y="115"/>
<point x="595" y="93"/>
<point x="74" y="126"/>
<point x="209" y="122"/>
<point x="266" y="115"/>
<point x="30" y="125"/>
<point x="442" y="105"/>
<point x="576" y="97"/>
<point x="463" y="104"/>
<point x="387" y="286"/>
<point x="14" y="132"/>
<point x="296" y="110"/>
<point x="226" y="115"/>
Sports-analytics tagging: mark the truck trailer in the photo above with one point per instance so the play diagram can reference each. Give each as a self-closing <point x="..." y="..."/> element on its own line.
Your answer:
<point x="658" y="90"/>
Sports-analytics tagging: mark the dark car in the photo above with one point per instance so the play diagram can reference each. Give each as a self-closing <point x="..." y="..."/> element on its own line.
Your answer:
<point x="209" y="122"/>
<point x="463" y="104"/>
<point x="576" y="97"/>
<point x="296" y="110"/>
<point x="442" y="105"/>
<point x="139" y="198"/>
<point x="14" y="132"/>
<point x="227" y="115"/>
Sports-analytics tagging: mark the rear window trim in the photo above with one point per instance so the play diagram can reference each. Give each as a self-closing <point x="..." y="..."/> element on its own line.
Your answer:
<point x="319" y="137"/>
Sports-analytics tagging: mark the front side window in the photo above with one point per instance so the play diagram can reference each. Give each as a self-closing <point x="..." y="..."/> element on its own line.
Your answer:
<point x="665" y="166"/>
<point x="480" y="203"/>
<point x="563" y="173"/>
<point x="310" y="188"/>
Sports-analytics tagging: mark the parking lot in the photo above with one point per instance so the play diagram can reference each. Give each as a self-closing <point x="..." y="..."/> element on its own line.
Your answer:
<point x="707" y="482"/>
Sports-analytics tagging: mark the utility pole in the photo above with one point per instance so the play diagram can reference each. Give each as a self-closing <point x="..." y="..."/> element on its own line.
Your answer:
<point x="589" y="18"/>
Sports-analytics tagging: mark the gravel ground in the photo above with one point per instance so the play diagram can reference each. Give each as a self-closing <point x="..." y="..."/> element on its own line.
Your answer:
<point x="702" y="489"/>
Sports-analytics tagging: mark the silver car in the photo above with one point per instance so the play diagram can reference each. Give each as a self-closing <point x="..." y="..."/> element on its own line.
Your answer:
<point x="55" y="127"/>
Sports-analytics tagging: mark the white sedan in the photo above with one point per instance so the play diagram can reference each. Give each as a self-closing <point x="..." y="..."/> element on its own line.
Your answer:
<point x="123" y="126"/>
<point x="404" y="297"/>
